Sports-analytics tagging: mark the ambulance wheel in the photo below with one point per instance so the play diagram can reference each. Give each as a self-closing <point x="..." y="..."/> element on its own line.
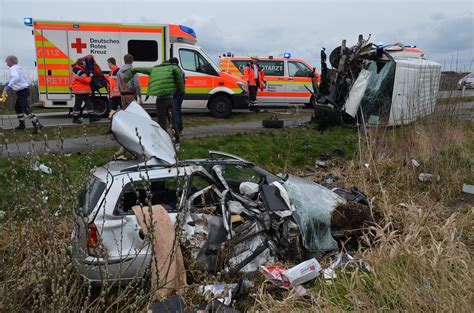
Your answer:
<point x="220" y="106"/>
<point x="101" y="107"/>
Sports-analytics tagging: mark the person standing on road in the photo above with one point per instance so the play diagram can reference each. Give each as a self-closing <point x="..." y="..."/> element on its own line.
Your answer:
<point x="114" y="92"/>
<point x="255" y="78"/>
<point x="165" y="80"/>
<point x="18" y="83"/>
<point x="81" y="89"/>
<point x="178" y="98"/>
<point x="129" y="90"/>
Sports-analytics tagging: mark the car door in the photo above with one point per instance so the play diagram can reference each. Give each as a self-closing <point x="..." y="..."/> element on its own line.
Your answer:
<point x="299" y="78"/>
<point x="274" y="93"/>
<point x="200" y="76"/>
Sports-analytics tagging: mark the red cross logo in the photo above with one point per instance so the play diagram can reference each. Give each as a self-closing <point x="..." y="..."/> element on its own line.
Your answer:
<point x="78" y="45"/>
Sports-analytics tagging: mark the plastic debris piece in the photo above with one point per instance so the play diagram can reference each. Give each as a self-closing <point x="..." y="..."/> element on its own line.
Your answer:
<point x="415" y="163"/>
<point x="345" y="260"/>
<point x="427" y="177"/>
<point x="300" y="291"/>
<point x="303" y="272"/>
<point x="320" y="163"/>
<point x="468" y="189"/>
<point x="248" y="189"/>
<point x="41" y="167"/>
<point x="292" y="277"/>
<point x="220" y="292"/>
<point x="235" y="207"/>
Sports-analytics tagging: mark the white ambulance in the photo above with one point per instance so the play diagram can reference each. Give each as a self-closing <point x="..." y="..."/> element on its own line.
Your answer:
<point x="59" y="44"/>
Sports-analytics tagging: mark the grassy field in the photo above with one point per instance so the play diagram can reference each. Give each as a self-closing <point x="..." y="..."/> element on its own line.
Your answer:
<point x="421" y="253"/>
<point x="96" y="129"/>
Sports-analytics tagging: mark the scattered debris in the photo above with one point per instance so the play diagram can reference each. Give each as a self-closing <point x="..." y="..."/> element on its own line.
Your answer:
<point x="2" y="215"/>
<point x="468" y="189"/>
<point x="427" y="177"/>
<point x="415" y="163"/>
<point x="320" y="163"/>
<point x="294" y="276"/>
<point x="41" y="167"/>
<point x="345" y="260"/>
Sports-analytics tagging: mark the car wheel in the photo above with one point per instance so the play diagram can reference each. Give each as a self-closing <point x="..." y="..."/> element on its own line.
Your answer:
<point x="101" y="106"/>
<point x="220" y="106"/>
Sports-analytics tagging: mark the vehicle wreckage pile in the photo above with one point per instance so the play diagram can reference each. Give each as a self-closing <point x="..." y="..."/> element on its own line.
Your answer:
<point x="231" y="225"/>
<point x="376" y="84"/>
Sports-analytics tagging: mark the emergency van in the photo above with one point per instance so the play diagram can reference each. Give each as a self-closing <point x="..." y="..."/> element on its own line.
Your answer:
<point x="287" y="79"/>
<point x="59" y="44"/>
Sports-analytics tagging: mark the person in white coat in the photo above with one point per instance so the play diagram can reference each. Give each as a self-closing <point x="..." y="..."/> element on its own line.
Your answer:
<point x="17" y="83"/>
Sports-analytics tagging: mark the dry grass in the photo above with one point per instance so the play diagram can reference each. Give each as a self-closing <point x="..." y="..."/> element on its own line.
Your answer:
<point x="421" y="253"/>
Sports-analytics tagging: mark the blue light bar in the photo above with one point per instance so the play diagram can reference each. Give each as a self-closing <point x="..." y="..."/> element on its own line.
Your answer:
<point x="229" y="54"/>
<point x="28" y="21"/>
<point x="410" y="46"/>
<point x="188" y="30"/>
<point x="287" y="55"/>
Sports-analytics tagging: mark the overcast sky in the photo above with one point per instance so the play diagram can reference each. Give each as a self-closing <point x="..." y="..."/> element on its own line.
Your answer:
<point x="442" y="28"/>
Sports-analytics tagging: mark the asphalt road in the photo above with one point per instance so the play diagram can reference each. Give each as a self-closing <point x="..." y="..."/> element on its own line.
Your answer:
<point x="63" y="119"/>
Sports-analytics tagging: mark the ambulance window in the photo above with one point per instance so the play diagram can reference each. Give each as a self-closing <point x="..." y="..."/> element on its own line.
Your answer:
<point x="240" y="64"/>
<point x="298" y="69"/>
<point x="193" y="61"/>
<point x="143" y="50"/>
<point x="272" y="68"/>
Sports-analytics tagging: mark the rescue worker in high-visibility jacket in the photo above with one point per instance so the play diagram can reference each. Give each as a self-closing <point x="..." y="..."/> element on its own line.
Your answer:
<point x="255" y="78"/>
<point x="81" y="89"/>
<point x="114" y="92"/>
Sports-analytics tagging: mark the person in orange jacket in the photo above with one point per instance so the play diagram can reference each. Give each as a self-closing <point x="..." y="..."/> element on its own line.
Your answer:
<point x="81" y="89"/>
<point x="114" y="92"/>
<point x="255" y="78"/>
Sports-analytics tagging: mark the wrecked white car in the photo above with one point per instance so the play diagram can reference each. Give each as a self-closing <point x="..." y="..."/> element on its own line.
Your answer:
<point x="223" y="203"/>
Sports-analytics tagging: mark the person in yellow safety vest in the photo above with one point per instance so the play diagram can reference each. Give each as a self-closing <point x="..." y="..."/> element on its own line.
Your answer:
<point x="114" y="92"/>
<point x="255" y="78"/>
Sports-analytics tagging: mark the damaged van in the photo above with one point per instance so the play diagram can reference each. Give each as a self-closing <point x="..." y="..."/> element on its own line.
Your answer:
<point x="222" y="203"/>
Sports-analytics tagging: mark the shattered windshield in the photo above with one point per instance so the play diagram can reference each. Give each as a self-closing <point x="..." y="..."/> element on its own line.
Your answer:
<point x="313" y="206"/>
<point x="89" y="196"/>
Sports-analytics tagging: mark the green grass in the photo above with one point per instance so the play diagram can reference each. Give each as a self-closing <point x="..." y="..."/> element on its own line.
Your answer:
<point x="284" y="150"/>
<point x="11" y="111"/>
<point x="189" y="120"/>
<point x="454" y="100"/>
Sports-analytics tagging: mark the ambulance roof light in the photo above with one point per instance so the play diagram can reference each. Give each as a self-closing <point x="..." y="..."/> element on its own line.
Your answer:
<point x="188" y="30"/>
<point x="380" y="44"/>
<point x="229" y="54"/>
<point x="28" y="21"/>
<point x="287" y="55"/>
<point x="410" y="46"/>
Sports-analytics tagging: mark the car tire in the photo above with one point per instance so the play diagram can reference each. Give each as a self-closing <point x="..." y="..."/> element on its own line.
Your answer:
<point x="220" y="106"/>
<point x="101" y="106"/>
<point x="272" y="123"/>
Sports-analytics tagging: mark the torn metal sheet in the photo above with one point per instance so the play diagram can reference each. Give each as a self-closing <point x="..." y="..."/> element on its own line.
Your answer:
<point x="344" y="260"/>
<point x="134" y="129"/>
<point x="357" y="93"/>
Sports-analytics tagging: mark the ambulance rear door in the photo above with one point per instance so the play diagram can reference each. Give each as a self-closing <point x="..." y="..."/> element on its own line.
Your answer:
<point x="299" y="78"/>
<point x="275" y="91"/>
<point x="54" y="63"/>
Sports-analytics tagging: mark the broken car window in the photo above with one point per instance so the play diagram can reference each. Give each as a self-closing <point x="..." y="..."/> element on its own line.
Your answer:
<point x="162" y="191"/>
<point x="89" y="195"/>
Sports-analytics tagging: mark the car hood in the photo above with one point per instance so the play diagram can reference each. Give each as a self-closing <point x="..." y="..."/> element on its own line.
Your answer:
<point x="134" y="130"/>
